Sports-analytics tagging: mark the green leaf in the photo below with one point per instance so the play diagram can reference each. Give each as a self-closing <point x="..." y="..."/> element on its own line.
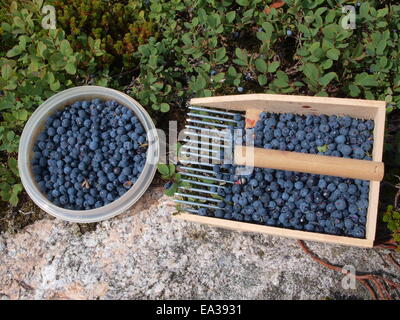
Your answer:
<point x="326" y="64"/>
<point x="54" y="86"/>
<point x="220" y="54"/>
<point x="232" y="71"/>
<point x="17" y="188"/>
<point x="262" y="79"/>
<point x="333" y="54"/>
<point x="240" y="62"/>
<point x="230" y="16"/>
<point x="354" y="90"/>
<point x="41" y="47"/>
<point x="262" y="36"/>
<point x="6" y="71"/>
<point x="22" y="115"/>
<point x="261" y="65"/>
<point x="311" y="71"/>
<point x="12" y="164"/>
<point x="170" y="192"/>
<point x="163" y="169"/>
<point x="331" y="31"/>
<point x="164" y="107"/>
<point x="15" y="51"/>
<point x="18" y="22"/>
<point x="241" y="54"/>
<point x="326" y="79"/>
<point x="65" y="48"/>
<point x="242" y="3"/>
<point x="273" y="66"/>
<point x="200" y="83"/>
<point x="70" y="68"/>
<point x="323" y="148"/>
<point x="366" y="80"/>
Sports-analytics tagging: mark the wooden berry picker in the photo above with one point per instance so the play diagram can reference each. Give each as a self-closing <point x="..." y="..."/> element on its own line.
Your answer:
<point x="301" y="167"/>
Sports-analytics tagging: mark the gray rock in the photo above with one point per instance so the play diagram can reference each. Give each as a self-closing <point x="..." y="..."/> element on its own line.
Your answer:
<point x="146" y="254"/>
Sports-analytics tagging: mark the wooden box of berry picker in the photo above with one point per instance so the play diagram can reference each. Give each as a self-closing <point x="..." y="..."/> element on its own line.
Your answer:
<point x="252" y="105"/>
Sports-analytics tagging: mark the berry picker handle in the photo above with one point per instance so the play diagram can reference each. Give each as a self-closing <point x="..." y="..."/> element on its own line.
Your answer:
<point x="309" y="163"/>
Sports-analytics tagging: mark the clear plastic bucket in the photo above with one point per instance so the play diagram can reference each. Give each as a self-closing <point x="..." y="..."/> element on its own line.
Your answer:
<point x="36" y="124"/>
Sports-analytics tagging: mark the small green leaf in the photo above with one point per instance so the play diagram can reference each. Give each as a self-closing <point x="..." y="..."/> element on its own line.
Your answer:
<point x="70" y="68"/>
<point x="241" y="54"/>
<point x="366" y="80"/>
<point x="273" y="66"/>
<point x="12" y="164"/>
<point x="164" y="107"/>
<point x="230" y="16"/>
<point x="333" y="54"/>
<point x="54" y="86"/>
<point x="242" y="3"/>
<point x="261" y="65"/>
<point x="170" y="192"/>
<point x="323" y="148"/>
<point x="200" y="83"/>
<point x="311" y="71"/>
<point x="22" y="115"/>
<point x="327" y="78"/>
<point x="65" y="48"/>
<point x="15" y="51"/>
<point x="6" y="71"/>
<point x="220" y="54"/>
<point x="163" y="169"/>
<point x="262" y="80"/>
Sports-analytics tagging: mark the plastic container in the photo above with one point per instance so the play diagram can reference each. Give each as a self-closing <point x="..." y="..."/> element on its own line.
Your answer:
<point x="37" y="122"/>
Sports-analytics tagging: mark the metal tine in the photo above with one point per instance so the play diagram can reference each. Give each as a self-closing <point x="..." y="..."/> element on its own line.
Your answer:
<point x="199" y="115"/>
<point x="212" y="111"/>
<point x="207" y="130"/>
<point x="192" y="133"/>
<point x="199" y="149"/>
<point x="204" y="184"/>
<point x="206" y="178"/>
<point x="211" y="124"/>
<point x="197" y="204"/>
<point x="190" y="210"/>
<point x="197" y="163"/>
<point x="199" y="190"/>
<point x="188" y="195"/>
<point x="198" y="170"/>
<point x="205" y="124"/>
<point x="206" y="143"/>
<point x="200" y="155"/>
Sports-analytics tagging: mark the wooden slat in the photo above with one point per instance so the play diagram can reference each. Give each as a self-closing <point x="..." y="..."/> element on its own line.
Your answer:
<point x="294" y="234"/>
<point x="357" y="108"/>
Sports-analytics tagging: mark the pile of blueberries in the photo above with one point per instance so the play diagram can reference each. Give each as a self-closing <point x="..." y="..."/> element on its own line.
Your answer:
<point x="294" y="200"/>
<point x="89" y="154"/>
<point x="332" y="136"/>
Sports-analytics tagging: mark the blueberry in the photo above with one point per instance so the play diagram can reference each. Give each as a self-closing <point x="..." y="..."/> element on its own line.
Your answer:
<point x="202" y="212"/>
<point x="340" y="204"/>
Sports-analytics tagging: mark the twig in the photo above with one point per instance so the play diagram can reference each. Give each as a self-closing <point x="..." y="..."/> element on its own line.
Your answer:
<point x="379" y="282"/>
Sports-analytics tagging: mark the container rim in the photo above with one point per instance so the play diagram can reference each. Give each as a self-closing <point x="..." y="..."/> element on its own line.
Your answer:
<point x="35" y="124"/>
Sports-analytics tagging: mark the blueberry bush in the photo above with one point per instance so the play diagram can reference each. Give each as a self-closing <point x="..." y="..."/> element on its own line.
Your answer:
<point x="35" y="63"/>
<point x="119" y="26"/>
<point x="225" y="47"/>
